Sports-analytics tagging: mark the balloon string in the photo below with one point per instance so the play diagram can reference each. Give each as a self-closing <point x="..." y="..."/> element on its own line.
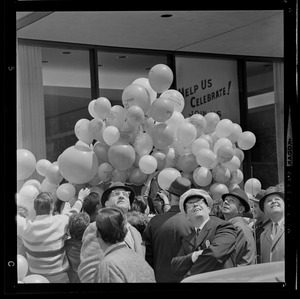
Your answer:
<point x="254" y="220"/>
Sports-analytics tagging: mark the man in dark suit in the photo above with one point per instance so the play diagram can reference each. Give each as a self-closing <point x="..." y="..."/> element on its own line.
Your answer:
<point x="211" y="244"/>
<point x="164" y="233"/>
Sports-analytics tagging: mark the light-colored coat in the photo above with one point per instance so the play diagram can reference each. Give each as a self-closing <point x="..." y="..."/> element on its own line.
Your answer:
<point x="272" y="250"/>
<point x="91" y="252"/>
<point x="122" y="264"/>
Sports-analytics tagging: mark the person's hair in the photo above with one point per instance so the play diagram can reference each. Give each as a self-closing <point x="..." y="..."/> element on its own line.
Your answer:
<point x="139" y="204"/>
<point x="111" y="225"/>
<point x="138" y="220"/>
<point x="43" y="203"/>
<point x="78" y="222"/>
<point x="90" y="203"/>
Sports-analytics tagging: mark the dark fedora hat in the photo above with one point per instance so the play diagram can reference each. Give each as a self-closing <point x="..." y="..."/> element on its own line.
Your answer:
<point x="258" y="196"/>
<point x="241" y="195"/>
<point x="179" y="186"/>
<point x="271" y="190"/>
<point x="107" y="192"/>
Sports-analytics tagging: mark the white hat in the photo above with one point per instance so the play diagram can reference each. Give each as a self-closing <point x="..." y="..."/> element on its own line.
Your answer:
<point x="195" y="192"/>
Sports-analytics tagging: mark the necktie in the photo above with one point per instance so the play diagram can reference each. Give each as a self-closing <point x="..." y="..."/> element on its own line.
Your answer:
<point x="275" y="229"/>
<point x="198" y="231"/>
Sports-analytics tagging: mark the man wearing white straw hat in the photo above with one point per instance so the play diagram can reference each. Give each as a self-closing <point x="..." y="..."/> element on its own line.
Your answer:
<point x="211" y="244"/>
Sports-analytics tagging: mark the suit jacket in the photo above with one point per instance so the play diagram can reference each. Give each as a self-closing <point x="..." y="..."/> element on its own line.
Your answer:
<point x="91" y="252"/>
<point x="245" y="247"/>
<point x="272" y="250"/>
<point x="216" y="239"/>
<point x="259" y="228"/>
<point x="163" y="236"/>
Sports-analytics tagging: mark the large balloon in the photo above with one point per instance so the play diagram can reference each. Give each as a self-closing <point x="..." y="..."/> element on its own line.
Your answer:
<point x="78" y="164"/>
<point x="41" y="166"/>
<point x="233" y="164"/>
<point x="82" y="131"/>
<point x="100" y="150"/>
<point x="187" y="163"/>
<point x="166" y="177"/>
<point x="252" y="186"/>
<point x="119" y="175"/>
<point x="224" y="128"/>
<point x="206" y="157"/>
<point x="143" y="144"/>
<point x="26" y="163"/>
<point x="34" y="183"/>
<point x="121" y="156"/>
<point x="136" y="95"/>
<point x="176" y="120"/>
<point x="239" y="153"/>
<point x="53" y="174"/>
<point x="162" y="136"/>
<point x="160" y="77"/>
<point x="91" y="109"/>
<point x="102" y="107"/>
<point x="217" y="190"/>
<point x="145" y="82"/>
<point x="199" y="122"/>
<point x="236" y="132"/>
<point x="220" y="142"/>
<point x="147" y="164"/>
<point x="202" y="176"/>
<point x="209" y="140"/>
<point x="116" y="116"/>
<point x="225" y="153"/>
<point x="186" y="133"/>
<point x="161" y="109"/>
<point x="199" y="144"/>
<point x="135" y="115"/>
<point x="35" y="278"/>
<point x="160" y="158"/>
<point x="137" y="177"/>
<point x="175" y="97"/>
<point x="66" y="192"/>
<point x="22" y="266"/>
<point x="212" y="120"/>
<point x="237" y="176"/>
<point x="111" y="135"/>
<point x="105" y="171"/>
<point x="246" y="140"/>
<point x="47" y="186"/>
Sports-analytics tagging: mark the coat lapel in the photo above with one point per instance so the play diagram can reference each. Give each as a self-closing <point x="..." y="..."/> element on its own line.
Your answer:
<point x="278" y="236"/>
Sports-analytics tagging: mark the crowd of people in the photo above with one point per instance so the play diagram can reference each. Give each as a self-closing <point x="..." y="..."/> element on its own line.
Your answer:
<point x="162" y="237"/>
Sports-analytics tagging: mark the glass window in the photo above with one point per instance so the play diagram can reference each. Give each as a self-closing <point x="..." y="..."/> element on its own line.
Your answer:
<point x="67" y="93"/>
<point x="261" y="121"/>
<point x="118" y="70"/>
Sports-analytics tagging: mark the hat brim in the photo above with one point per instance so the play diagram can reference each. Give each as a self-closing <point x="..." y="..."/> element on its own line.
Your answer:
<point x="244" y="202"/>
<point x="173" y="192"/>
<point x="263" y="199"/>
<point x="107" y="192"/>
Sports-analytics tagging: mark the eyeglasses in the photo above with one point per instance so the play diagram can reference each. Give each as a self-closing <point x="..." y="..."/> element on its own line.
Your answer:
<point x="191" y="202"/>
<point x="120" y="192"/>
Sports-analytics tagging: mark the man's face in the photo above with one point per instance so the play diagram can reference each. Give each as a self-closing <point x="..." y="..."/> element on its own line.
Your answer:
<point x="274" y="204"/>
<point x="196" y="207"/>
<point x="119" y="198"/>
<point x="231" y="206"/>
<point x="256" y="211"/>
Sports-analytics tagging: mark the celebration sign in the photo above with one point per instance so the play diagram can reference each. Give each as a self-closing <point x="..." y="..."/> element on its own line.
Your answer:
<point x="208" y="85"/>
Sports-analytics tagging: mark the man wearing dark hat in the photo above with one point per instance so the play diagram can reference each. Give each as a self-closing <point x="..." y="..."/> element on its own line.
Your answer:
<point x="261" y="220"/>
<point x="164" y="233"/>
<point x="211" y="244"/>
<point x="272" y="238"/>
<point x="235" y="205"/>
<point x="117" y="195"/>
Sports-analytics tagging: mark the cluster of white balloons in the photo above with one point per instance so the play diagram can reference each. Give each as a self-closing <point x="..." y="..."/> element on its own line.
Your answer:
<point x="147" y="134"/>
